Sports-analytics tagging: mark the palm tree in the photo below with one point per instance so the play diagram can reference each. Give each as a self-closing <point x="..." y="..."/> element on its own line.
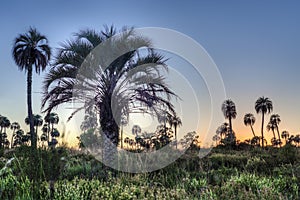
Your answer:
<point x="263" y="105"/>
<point x="124" y="121"/>
<point x="116" y="75"/>
<point x="216" y="138"/>
<point x="14" y="126"/>
<point x="31" y="50"/>
<point x="51" y="119"/>
<point x="18" y="138"/>
<point x="4" y="124"/>
<point x="249" y="119"/>
<point x="297" y="139"/>
<point x="275" y="119"/>
<point x="285" y="135"/>
<point x="136" y="129"/>
<point x="222" y="130"/>
<point x="175" y="121"/>
<point x="229" y="111"/>
<point x="37" y="122"/>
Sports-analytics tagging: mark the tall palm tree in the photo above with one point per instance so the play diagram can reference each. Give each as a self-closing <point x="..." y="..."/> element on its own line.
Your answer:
<point x="264" y="106"/>
<point x="125" y="74"/>
<point x="31" y="51"/>
<point x="175" y="121"/>
<point x="275" y="119"/>
<point x="249" y="119"/>
<point x="14" y="126"/>
<point x="229" y="111"/>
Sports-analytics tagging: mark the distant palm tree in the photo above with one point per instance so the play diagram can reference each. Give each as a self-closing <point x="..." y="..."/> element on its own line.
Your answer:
<point x="37" y="122"/>
<point x="275" y="119"/>
<point x="14" y="126"/>
<point x="18" y="138"/>
<point x="216" y="138"/>
<point x="124" y="121"/>
<point x="229" y="111"/>
<point x="136" y="129"/>
<point x="249" y="119"/>
<point x="297" y="140"/>
<point x="164" y="117"/>
<point x="31" y="49"/>
<point x="255" y="141"/>
<point x="222" y="130"/>
<point x="285" y="135"/>
<point x="4" y="124"/>
<point x="175" y="122"/>
<point x="51" y="119"/>
<point x="263" y="105"/>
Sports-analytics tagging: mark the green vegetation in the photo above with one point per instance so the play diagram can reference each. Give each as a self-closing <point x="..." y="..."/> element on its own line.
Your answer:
<point x="223" y="174"/>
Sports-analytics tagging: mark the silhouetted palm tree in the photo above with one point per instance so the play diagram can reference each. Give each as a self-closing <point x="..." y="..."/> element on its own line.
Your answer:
<point x="263" y="105"/>
<point x="229" y="111"/>
<point x="37" y="122"/>
<point x="125" y="75"/>
<point x="216" y="138"/>
<point x="136" y="129"/>
<point x="222" y="130"/>
<point x="31" y="50"/>
<point x="249" y="119"/>
<point x="51" y="119"/>
<point x="18" y="138"/>
<point x="4" y="124"/>
<point x="275" y="120"/>
<point x="175" y="122"/>
<point x="14" y="126"/>
<point x="285" y="135"/>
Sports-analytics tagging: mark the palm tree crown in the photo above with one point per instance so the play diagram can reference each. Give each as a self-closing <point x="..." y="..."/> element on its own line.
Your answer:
<point x="123" y="73"/>
<point x="249" y="119"/>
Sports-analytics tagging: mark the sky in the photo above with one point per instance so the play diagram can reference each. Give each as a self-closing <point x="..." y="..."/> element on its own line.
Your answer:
<point x="254" y="44"/>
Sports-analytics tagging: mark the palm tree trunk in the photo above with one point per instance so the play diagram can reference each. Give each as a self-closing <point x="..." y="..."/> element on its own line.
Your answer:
<point x="278" y="135"/>
<point x="122" y="137"/>
<point x="29" y="105"/>
<point x="175" y="128"/>
<point x="110" y="137"/>
<point x="274" y="134"/>
<point x="262" y="129"/>
<point x="12" y="139"/>
<point x="1" y="137"/>
<point x="252" y="130"/>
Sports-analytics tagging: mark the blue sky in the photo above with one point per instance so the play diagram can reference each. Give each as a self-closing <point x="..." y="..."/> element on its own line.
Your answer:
<point x="255" y="45"/>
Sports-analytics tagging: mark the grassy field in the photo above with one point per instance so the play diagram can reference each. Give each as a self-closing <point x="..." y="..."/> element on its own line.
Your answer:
<point x="251" y="173"/>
